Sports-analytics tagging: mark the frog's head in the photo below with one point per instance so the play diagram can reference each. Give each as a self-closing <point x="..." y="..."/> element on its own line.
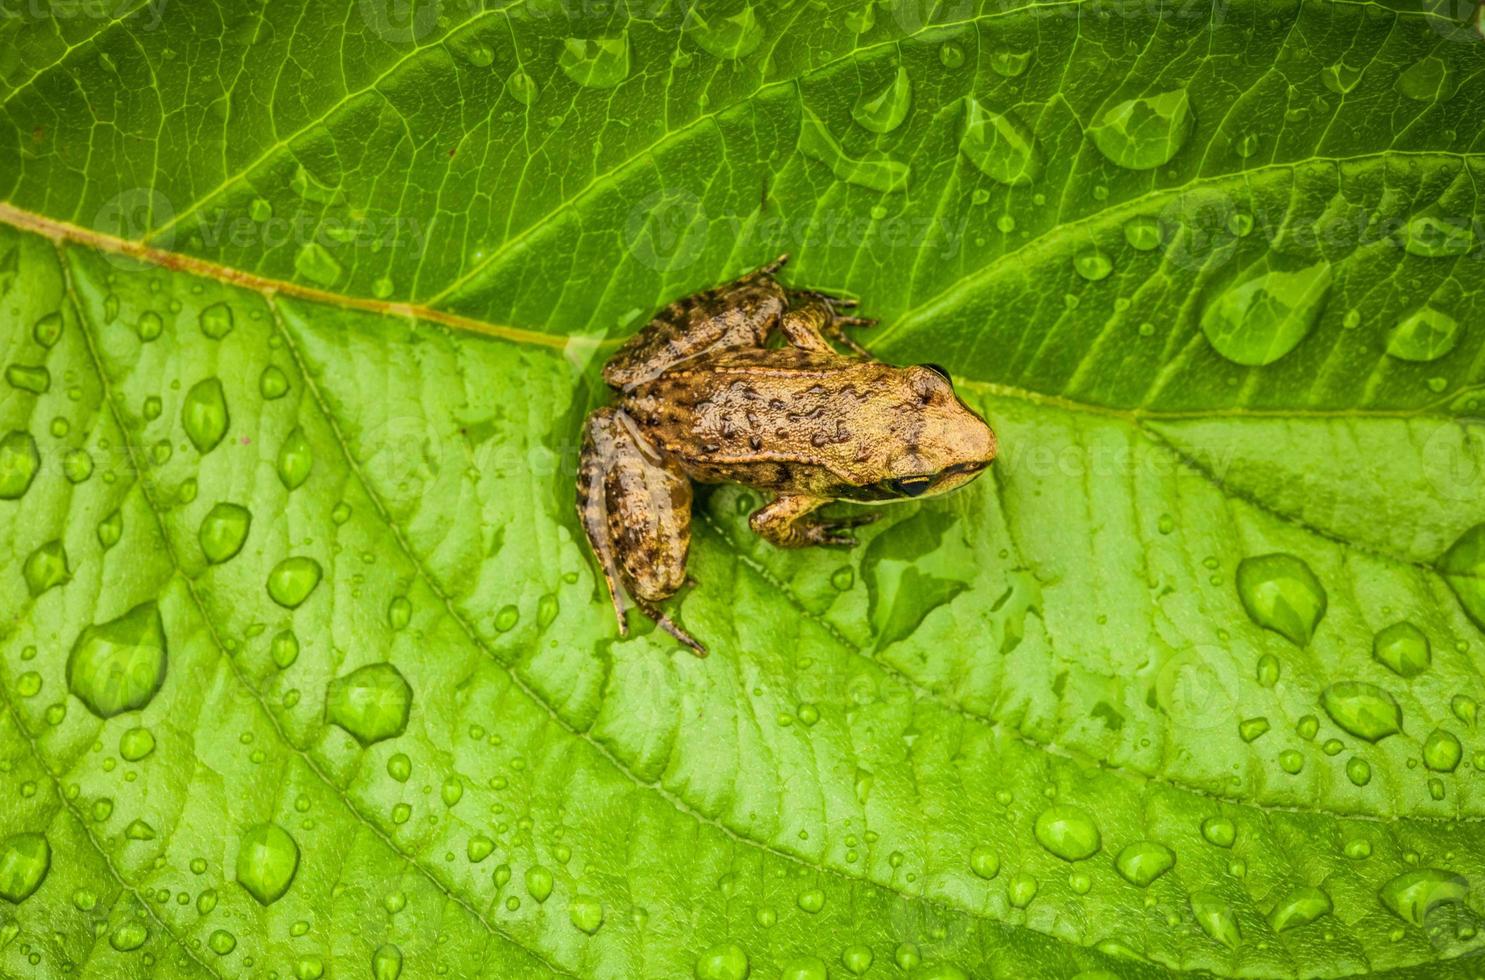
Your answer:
<point x="932" y="442"/>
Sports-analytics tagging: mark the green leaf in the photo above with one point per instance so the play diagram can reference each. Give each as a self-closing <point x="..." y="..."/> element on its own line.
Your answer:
<point x="306" y="668"/>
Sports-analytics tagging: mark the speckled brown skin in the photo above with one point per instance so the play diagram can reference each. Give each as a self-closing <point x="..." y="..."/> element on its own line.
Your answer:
<point x="701" y="398"/>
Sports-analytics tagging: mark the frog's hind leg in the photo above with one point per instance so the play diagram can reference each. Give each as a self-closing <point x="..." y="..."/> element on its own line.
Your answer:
<point x="815" y="325"/>
<point x="636" y="511"/>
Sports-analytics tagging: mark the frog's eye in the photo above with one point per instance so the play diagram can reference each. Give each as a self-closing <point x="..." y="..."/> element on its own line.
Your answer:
<point x="911" y="486"/>
<point x="941" y="371"/>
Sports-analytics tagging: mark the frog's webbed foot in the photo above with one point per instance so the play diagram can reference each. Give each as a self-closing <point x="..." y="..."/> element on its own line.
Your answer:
<point x="815" y="324"/>
<point x="784" y="522"/>
<point x="668" y="625"/>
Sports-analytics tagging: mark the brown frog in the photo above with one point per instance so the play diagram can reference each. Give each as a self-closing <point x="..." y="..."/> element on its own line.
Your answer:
<point x="702" y="399"/>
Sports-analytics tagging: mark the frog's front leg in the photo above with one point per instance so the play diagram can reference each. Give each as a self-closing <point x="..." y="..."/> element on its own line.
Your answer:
<point x="636" y="512"/>
<point x="815" y="322"/>
<point x="784" y="522"/>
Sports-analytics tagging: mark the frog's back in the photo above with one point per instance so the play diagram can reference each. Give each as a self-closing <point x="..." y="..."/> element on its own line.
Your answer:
<point x="806" y="413"/>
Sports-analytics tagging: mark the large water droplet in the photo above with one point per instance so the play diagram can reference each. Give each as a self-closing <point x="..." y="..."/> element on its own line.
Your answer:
<point x="1008" y="63"/>
<point x="1000" y="146"/>
<point x="295" y="459"/>
<point x="873" y="169"/>
<point x="314" y="262"/>
<point x="885" y="111"/>
<point x="1362" y="709"/>
<point x="110" y="529"/>
<point x="728" y="37"/>
<point x="1093" y="264"/>
<point x="539" y="883"/>
<point x="216" y="321"/>
<point x="1442" y="751"/>
<point x="1403" y="648"/>
<point x="1281" y="594"/>
<point x="136" y="744"/>
<point x="267" y="859"/>
<point x="1424" y="335"/>
<point x="19" y="462"/>
<point x="1299" y="908"/>
<point x="1143" y="861"/>
<point x="725" y="962"/>
<point x="1215" y="917"/>
<point x="292" y="580"/>
<point x="371" y="703"/>
<point x="47" y="330"/>
<point x="1259" y="320"/>
<point x="25" y="860"/>
<point x="1414" y="895"/>
<point x="523" y="88"/>
<point x="805" y="968"/>
<point x="1433" y="236"/>
<point x="1429" y="80"/>
<point x="46" y="568"/>
<point x="1067" y="832"/>
<point x="204" y="415"/>
<point x="273" y="383"/>
<point x="128" y="936"/>
<point x="27" y="377"/>
<point x="223" y="532"/>
<point x="1219" y="831"/>
<point x="1145" y="132"/>
<point x="1340" y="77"/>
<point x="1463" y="567"/>
<point x="386" y="962"/>
<point x="586" y="913"/>
<point x="595" y="62"/>
<point x="984" y="862"/>
<point x="221" y="942"/>
<point x="857" y="958"/>
<point x="119" y="665"/>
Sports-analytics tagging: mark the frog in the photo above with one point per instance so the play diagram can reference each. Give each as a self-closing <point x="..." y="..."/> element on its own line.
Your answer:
<point x="758" y="384"/>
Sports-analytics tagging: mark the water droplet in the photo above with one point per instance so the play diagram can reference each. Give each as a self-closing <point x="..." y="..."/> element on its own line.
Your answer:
<point x="1291" y="761"/>
<point x="260" y="210"/>
<point x="399" y="612"/>
<point x="595" y="62"/>
<point x="1067" y="832"/>
<point x="984" y="862"/>
<point x="273" y="383"/>
<point x="314" y="262"/>
<point x="35" y="379"/>
<point x="885" y="111"/>
<point x="1340" y="77"/>
<point x="807" y="968"/>
<point x="1358" y="849"/>
<point x="856" y="958"/>
<point x="221" y="942"/>
<point x="950" y="55"/>
<point x="1463" y="567"/>
<point x="1000" y="146"/>
<point x="1424" y="335"/>
<point x="1362" y="709"/>
<point x="371" y="703"/>
<point x="1251" y="729"/>
<point x="506" y="618"/>
<point x="1442" y="751"/>
<point x="309" y="968"/>
<point x="1280" y="593"/>
<point x="1435" y="237"/>
<point x="1465" y="708"/>
<point x="295" y="459"/>
<point x="1215" y="917"/>
<point x="523" y="88"/>
<point x="19" y="462"/>
<point x="1093" y="264"/>
<point x="139" y="830"/>
<point x="539" y="883"/>
<point x="119" y="665"/>
<point x="1143" y="234"/>
<point x="811" y="900"/>
<point x="110" y="529"/>
<point x="150" y="326"/>
<point x="292" y="580"/>
<point x="874" y="169"/>
<point x="725" y="962"/>
<point x="907" y="956"/>
<point x="128" y="936"/>
<point x="1219" y="831"/>
<point x="1403" y="648"/>
<point x="1358" y="770"/>
<point x="1414" y="895"/>
<point x="47" y="330"/>
<point x="284" y="649"/>
<point x="223" y="532"/>
<point x="25" y="860"/>
<point x="1263" y="318"/>
<point x="136" y="743"/>
<point x="386" y="962"/>
<point x="1021" y="890"/>
<point x="267" y="859"/>
<point x="204" y="415"/>
<point x="727" y="37"/>
<point x="216" y="321"/>
<point x="28" y="685"/>
<point x="1429" y="80"/>
<point x="1145" y="132"/>
<point x="1299" y="908"/>
<point x="452" y="790"/>
<point x="1143" y="861"/>
<point x="1009" y="64"/>
<point x="46" y="568"/>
